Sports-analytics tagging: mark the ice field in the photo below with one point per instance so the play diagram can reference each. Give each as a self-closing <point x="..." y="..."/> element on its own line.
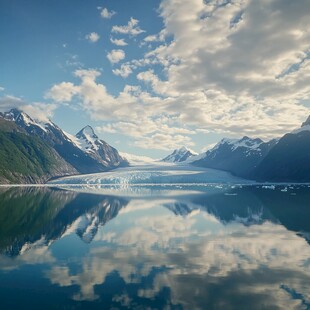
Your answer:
<point x="157" y="173"/>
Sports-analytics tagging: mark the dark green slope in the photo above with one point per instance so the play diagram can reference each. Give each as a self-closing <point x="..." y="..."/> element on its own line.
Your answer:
<point x="24" y="158"/>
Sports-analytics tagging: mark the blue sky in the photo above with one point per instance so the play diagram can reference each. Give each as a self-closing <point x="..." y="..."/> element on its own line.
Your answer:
<point x="154" y="75"/>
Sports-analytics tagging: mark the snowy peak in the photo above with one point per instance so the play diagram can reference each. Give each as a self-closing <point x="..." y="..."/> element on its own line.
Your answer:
<point x="87" y="133"/>
<point x="239" y="157"/>
<point x="24" y="120"/>
<point x="33" y="125"/>
<point x="87" y="140"/>
<point x="245" y="142"/>
<point x="179" y="155"/>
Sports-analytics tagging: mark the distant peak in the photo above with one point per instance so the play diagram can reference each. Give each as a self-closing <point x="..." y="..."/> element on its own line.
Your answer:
<point x="87" y="131"/>
<point x="15" y="114"/>
<point x="15" y="111"/>
<point x="184" y="148"/>
<point x="180" y="155"/>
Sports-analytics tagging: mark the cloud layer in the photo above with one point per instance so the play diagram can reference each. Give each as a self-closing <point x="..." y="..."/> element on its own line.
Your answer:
<point x="236" y="68"/>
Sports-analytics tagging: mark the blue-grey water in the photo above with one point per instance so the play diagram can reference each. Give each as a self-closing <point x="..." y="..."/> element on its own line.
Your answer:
<point x="191" y="247"/>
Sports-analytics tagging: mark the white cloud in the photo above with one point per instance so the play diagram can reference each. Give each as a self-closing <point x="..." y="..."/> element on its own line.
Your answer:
<point x="2" y="88"/>
<point x="116" y="56"/>
<point x="222" y="72"/>
<point x="62" y="92"/>
<point x="162" y="141"/>
<point x="105" y="13"/>
<point x="226" y="73"/>
<point x="160" y="37"/>
<point x="92" y="37"/>
<point x="128" y="67"/>
<point x="118" y="42"/>
<point x="10" y="102"/>
<point x="132" y="28"/>
<point x="40" y="111"/>
<point x="133" y="112"/>
<point x="236" y="68"/>
<point x="124" y="71"/>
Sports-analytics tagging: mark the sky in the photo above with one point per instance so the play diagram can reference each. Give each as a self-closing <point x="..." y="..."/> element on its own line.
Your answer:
<point x="151" y="76"/>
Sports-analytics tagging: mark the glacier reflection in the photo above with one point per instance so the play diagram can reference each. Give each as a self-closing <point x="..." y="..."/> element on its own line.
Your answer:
<point x="234" y="248"/>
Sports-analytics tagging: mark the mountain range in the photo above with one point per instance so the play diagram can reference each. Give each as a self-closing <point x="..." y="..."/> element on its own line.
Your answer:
<point x="286" y="159"/>
<point x="33" y="151"/>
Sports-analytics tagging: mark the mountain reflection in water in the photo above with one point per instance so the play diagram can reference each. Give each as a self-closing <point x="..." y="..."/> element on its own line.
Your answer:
<point x="231" y="248"/>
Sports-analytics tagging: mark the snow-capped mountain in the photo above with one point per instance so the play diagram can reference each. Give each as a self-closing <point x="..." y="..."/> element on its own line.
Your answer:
<point x="179" y="155"/>
<point x="88" y="142"/>
<point x="280" y="160"/>
<point x="83" y="152"/>
<point x="236" y="156"/>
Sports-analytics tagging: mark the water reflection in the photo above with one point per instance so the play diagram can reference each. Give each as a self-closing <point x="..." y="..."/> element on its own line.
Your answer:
<point x="237" y="248"/>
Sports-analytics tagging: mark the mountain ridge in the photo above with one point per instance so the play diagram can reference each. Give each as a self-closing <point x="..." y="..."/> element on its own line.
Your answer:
<point x="28" y="159"/>
<point x="53" y="137"/>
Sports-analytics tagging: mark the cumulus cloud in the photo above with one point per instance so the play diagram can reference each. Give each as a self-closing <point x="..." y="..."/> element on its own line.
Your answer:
<point x="239" y="63"/>
<point x="40" y="111"/>
<point x="131" y="112"/>
<point x="236" y="68"/>
<point x="92" y="37"/>
<point x="124" y="71"/>
<point x="162" y="141"/>
<point x="160" y="37"/>
<point x="231" y="67"/>
<point x="132" y="28"/>
<point x="116" y="56"/>
<point x="128" y="67"/>
<point x="105" y="13"/>
<point x="2" y="88"/>
<point x="118" y="42"/>
<point x="62" y="92"/>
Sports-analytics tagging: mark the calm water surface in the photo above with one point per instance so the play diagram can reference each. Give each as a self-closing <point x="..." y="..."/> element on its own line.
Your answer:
<point x="199" y="248"/>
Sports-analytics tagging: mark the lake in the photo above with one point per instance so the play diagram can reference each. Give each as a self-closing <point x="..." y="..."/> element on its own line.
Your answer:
<point x="175" y="247"/>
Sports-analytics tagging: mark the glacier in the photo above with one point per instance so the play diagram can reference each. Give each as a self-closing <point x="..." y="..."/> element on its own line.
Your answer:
<point x="155" y="173"/>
